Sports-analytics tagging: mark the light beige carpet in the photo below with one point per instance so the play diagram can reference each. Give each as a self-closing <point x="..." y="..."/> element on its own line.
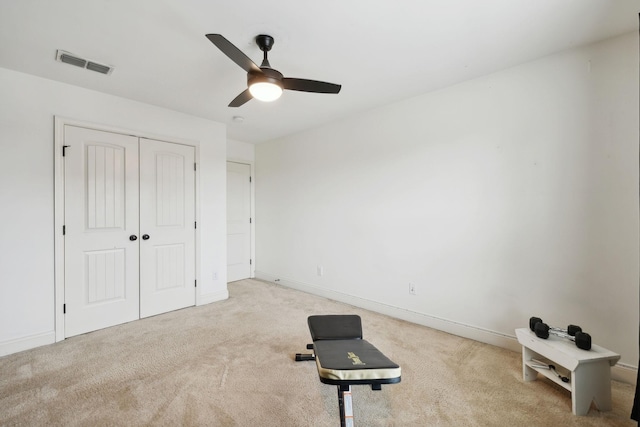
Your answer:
<point x="231" y="364"/>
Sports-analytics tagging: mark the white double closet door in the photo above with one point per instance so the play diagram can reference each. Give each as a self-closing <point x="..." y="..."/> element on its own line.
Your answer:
<point x="129" y="246"/>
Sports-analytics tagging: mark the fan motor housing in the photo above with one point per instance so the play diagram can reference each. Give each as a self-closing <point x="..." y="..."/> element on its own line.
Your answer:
<point x="266" y="75"/>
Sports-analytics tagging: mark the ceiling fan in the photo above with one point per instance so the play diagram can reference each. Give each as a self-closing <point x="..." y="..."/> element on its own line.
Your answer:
<point x="265" y="83"/>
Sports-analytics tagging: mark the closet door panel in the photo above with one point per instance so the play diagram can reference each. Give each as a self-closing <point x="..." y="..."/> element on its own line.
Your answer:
<point x="101" y="230"/>
<point x="167" y="227"/>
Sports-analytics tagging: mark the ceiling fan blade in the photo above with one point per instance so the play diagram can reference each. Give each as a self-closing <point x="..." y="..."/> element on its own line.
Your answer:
<point x="241" y="99"/>
<point x="233" y="52"/>
<point x="304" y="85"/>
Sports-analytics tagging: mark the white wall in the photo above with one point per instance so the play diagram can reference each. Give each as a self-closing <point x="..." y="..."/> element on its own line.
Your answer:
<point x="27" y="112"/>
<point x="501" y="198"/>
<point x="240" y="151"/>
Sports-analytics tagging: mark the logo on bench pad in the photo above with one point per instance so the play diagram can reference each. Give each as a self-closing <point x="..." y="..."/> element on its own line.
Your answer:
<point x="355" y="359"/>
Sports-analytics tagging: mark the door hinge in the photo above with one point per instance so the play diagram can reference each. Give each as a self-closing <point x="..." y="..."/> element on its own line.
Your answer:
<point x="250" y="221"/>
<point x="64" y="150"/>
<point x="195" y="224"/>
<point x="194" y="166"/>
<point x="195" y="283"/>
<point x="250" y="262"/>
<point x="64" y="230"/>
<point x="249" y="179"/>
<point x="64" y="308"/>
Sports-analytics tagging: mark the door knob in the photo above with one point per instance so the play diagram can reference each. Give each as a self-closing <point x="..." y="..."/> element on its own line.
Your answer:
<point x="145" y="237"/>
<point x="133" y="237"/>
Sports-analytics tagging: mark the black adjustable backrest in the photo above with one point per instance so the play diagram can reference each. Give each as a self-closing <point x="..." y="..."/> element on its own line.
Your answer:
<point x="335" y="327"/>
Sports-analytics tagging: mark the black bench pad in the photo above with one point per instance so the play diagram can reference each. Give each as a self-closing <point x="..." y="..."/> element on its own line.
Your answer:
<point x="335" y="327"/>
<point x="353" y="361"/>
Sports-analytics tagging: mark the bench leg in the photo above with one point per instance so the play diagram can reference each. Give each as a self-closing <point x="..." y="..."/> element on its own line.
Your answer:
<point x="346" y="406"/>
<point x="591" y="382"/>
<point x="528" y="374"/>
<point x="300" y="357"/>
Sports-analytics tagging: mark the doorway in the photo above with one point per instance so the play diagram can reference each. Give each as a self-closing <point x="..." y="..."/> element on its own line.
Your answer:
<point x="239" y="221"/>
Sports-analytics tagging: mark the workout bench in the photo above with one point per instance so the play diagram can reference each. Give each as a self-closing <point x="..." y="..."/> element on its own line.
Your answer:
<point x="344" y="359"/>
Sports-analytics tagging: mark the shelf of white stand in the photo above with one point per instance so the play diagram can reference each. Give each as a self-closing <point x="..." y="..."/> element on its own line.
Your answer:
<point x="590" y="370"/>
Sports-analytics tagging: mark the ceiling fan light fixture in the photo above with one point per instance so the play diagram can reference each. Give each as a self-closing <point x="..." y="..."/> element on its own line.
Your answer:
<point x="265" y="91"/>
<point x="264" y="83"/>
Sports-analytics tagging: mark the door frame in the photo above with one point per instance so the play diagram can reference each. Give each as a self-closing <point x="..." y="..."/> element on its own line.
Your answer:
<point x="59" y="200"/>
<point x="252" y="230"/>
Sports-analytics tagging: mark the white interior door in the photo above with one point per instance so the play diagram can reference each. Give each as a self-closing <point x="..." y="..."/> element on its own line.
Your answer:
<point x="167" y="227"/>
<point x="238" y="221"/>
<point x="101" y="215"/>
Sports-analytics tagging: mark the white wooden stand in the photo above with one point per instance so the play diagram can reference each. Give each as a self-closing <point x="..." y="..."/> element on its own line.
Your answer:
<point x="590" y="370"/>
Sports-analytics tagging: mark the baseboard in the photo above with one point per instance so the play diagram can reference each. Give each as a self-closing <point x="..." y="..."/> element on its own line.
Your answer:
<point x="213" y="297"/>
<point x="621" y="372"/>
<point x="624" y="373"/>
<point x="26" y="343"/>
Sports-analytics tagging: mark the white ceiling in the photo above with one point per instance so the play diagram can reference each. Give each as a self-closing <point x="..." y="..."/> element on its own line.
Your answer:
<point x="380" y="51"/>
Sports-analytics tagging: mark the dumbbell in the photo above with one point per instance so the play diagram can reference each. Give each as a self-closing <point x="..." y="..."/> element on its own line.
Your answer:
<point x="571" y="329"/>
<point x="573" y="333"/>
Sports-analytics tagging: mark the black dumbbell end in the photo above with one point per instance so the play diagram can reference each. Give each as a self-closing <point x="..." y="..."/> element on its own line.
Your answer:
<point x="532" y="323"/>
<point x="583" y="340"/>
<point x="573" y="330"/>
<point x="542" y="330"/>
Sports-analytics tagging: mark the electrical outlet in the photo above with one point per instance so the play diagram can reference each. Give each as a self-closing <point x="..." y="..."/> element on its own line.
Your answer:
<point x="412" y="289"/>
<point x="320" y="270"/>
<point x="215" y="275"/>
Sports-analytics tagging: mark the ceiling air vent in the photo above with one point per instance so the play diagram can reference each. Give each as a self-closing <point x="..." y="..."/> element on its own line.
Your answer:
<point x="72" y="59"/>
